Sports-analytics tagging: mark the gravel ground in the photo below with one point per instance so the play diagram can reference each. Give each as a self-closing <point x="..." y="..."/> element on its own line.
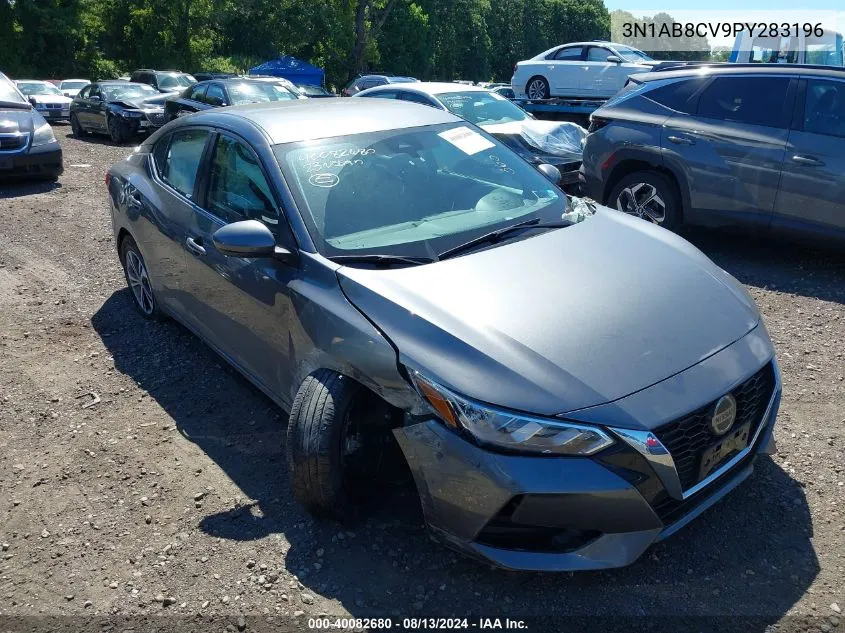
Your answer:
<point x="141" y="476"/>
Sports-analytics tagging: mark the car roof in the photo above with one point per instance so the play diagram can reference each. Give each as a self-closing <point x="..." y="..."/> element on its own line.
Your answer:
<point x="302" y="120"/>
<point x="32" y="81"/>
<point x="432" y="88"/>
<point x="119" y="82"/>
<point x="740" y="69"/>
<point x="74" y="79"/>
<point x="598" y="43"/>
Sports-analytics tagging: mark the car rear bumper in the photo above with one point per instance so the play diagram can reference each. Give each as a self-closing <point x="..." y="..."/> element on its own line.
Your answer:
<point x="38" y="162"/>
<point x="543" y="513"/>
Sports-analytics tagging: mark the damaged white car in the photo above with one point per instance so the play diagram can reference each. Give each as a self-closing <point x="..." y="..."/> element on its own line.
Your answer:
<point x="539" y="142"/>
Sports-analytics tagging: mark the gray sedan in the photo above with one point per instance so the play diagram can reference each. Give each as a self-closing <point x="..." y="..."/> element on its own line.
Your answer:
<point x="567" y="384"/>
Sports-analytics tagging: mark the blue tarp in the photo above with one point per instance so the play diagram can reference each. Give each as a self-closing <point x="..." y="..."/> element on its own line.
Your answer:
<point x="292" y="69"/>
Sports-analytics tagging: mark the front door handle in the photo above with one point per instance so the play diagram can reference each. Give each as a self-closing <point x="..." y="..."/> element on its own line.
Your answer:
<point x="195" y="247"/>
<point x="680" y="140"/>
<point x="809" y="161"/>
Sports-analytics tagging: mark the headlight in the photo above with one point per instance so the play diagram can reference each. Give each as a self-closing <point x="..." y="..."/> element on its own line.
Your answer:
<point x="43" y="134"/>
<point x="508" y="429"/>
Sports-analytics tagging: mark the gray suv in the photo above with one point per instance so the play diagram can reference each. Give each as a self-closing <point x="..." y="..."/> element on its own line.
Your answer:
<point x="758" y="147"/>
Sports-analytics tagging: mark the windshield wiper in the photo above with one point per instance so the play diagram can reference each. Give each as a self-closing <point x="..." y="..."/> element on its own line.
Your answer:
<point x="381" y="260"/>
<point x="494" y="236"/>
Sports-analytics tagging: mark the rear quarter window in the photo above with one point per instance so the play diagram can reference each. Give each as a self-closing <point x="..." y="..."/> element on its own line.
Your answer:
<point x="677" y="96"/>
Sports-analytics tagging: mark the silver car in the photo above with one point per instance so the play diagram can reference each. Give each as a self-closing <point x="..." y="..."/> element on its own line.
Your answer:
<point x="567" y="384"/>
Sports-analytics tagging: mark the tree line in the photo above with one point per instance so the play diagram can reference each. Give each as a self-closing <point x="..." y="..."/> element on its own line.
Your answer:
<point x="428" y="39"/>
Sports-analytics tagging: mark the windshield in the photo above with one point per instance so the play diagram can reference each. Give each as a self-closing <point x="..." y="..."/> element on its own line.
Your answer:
<point x="482" y="107"/>
<point x="412" y="192"/>
<point x="73" y="85"/>
<point x="313" y="90"/>
<point x="30" y="88"/>
<point x="259" y="92"/>
<point x="8" y="94"/>
<point x="174" y="82"/>
<point x="129" y="91"/>
<point x="632" y="54"/>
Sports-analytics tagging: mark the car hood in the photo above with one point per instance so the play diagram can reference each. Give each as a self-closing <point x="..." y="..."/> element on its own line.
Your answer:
<point x="568" y="319"/>
<point x="51" y="99"/>
<point x="562" y="139"/>
<point x="142" y="103"/>
<point x="14" y="120"/>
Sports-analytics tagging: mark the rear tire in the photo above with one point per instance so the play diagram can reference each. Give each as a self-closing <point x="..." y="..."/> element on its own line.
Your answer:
<point x="315" y="437"/>
<point x="537" y="88"/>
<point x="648" y="195"/>
<point x="76" y="127"/>
<point x="138" y="280"/>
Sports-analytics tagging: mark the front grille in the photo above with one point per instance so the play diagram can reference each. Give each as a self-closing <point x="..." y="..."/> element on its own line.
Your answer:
<point x="687" y="438"/>
<point x="157" y="119"/>
<point x="54" y="106"/>
<point x="12" y="142"/>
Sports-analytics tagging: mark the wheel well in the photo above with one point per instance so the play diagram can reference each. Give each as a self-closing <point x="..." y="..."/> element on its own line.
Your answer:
<point x="121" y="235"/>
<point x="533" y="77"/>
<point x="629" y="167"/>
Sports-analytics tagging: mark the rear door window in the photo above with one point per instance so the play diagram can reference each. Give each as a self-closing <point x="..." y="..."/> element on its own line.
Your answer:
<point x="750" y="100"/>
<point x="569" y="54"/>
<point x="182" y="160"/>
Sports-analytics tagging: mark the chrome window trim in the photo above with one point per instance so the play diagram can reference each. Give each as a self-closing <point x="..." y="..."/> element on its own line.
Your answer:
<point x="658" y="456"/>
<point x="22" y="148"/>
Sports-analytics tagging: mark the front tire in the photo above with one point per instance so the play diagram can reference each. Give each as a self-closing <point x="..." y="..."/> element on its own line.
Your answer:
<point x="537" y="88"/>
<point x="315" y="438"/>
<point x="117" y="130"/>
<point x="138" y="280"/>
<point x="648" y="195"/>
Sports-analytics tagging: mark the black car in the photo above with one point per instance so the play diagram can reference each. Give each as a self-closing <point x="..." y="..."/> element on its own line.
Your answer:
<point x="28" y="147"/>
<point x="365" y="82"/>
<point x="121" y="109"/>
<point x="168" y="81"/>
<point x="226" y="92"/>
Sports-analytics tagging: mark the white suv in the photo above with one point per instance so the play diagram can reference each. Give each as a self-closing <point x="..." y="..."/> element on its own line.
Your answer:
<point x="580" y="70"/>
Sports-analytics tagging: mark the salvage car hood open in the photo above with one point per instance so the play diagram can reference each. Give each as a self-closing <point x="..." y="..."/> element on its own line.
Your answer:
<point x="553" y="137"/>
<point x="567" y="319"/>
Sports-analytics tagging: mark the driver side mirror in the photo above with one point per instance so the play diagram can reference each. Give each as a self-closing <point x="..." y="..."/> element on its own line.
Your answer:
<point x="550" y="171"/>
<point x="613" y="59"/>
<point x="33" y="102"/>
<point x="250" y="239"/>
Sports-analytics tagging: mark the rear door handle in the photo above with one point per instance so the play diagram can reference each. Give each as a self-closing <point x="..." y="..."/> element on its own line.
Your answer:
<point x="195" y="247"/>
<point x="680" y="140"/>
<point x="809" y="161"/>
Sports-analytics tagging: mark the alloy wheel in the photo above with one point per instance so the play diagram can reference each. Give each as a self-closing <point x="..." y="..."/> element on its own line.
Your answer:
<point x="537" y="89"/>
<point x="139" y="282"/>
<point x="644" y="201"/>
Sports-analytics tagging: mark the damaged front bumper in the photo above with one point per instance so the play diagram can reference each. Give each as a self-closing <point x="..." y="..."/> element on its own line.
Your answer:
<point x="544" y="513"/>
